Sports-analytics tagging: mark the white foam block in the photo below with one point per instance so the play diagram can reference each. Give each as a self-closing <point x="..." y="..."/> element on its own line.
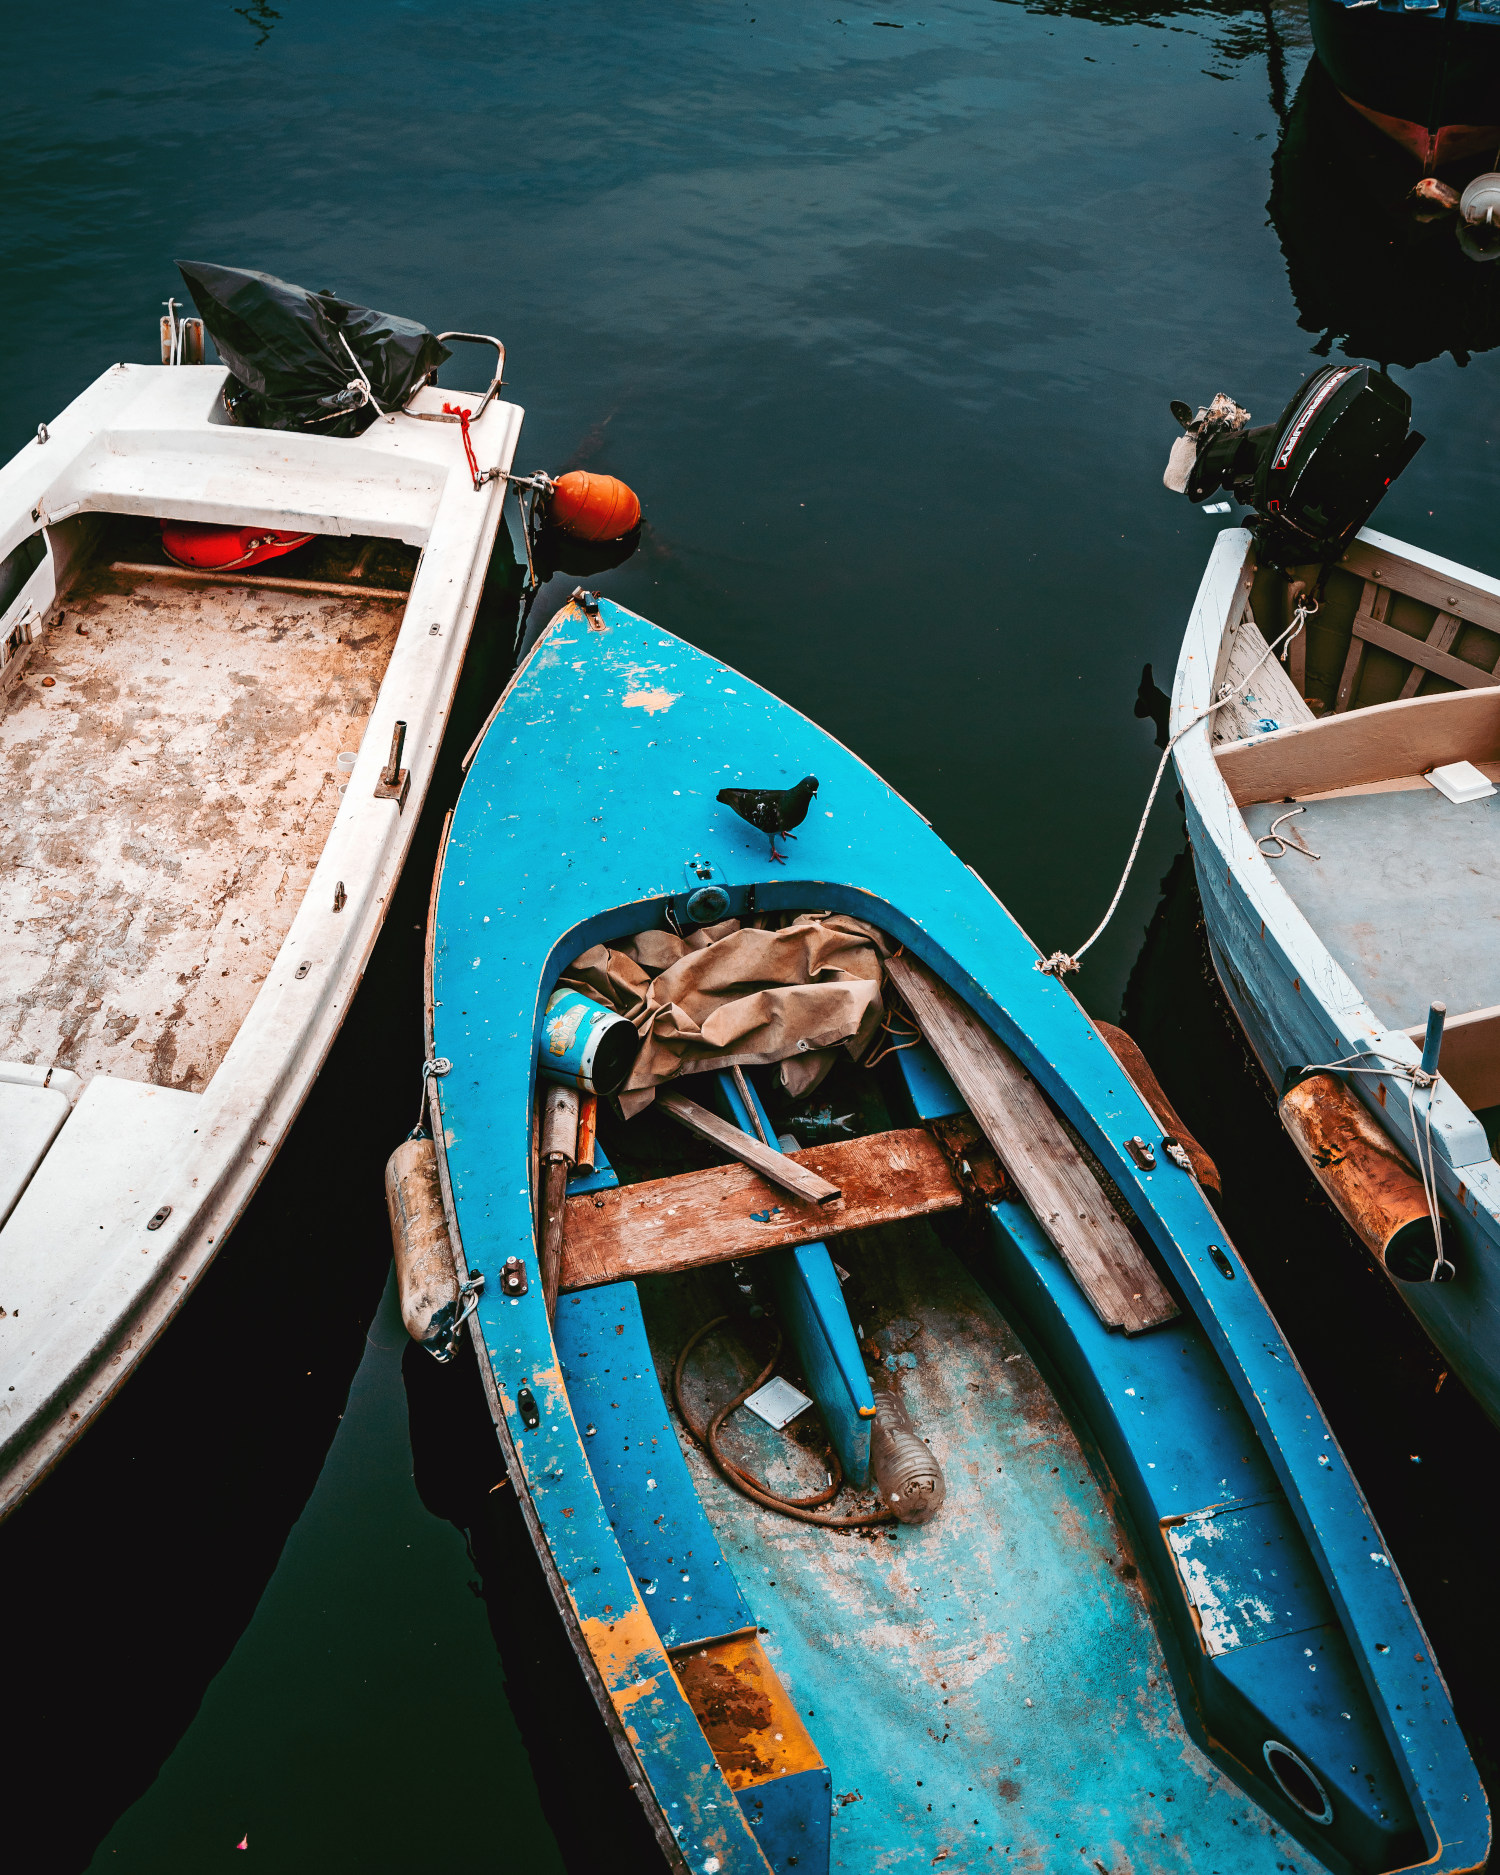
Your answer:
<point x="1461" y="782"/>
<point x="778" y="1402"/>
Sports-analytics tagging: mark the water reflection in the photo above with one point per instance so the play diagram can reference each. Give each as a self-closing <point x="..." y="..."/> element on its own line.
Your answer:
<point x="1369" y="277"/>
<point x="1269" y="30"/>
<point x="262" y="16"/>
<point x="460" y="1476"/>
<point x="132" y="1572"/>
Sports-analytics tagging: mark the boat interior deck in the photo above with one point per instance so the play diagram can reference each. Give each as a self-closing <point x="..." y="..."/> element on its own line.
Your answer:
<point x="954" y="1675"/>
<point x="1405" y="892"/>
<point x="1398" y="676"/>
<point x="172" y="751"/>
<point x="962" y="1670"/>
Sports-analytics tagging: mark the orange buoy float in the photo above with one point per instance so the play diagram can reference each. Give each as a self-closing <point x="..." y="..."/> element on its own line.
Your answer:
<point x="594" y="507"/>
<point x="211" y="548"/>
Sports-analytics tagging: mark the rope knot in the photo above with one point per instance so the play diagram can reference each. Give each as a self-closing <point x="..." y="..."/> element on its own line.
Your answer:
<point x="453" y="410"/>
<point x="1058" y="965"/>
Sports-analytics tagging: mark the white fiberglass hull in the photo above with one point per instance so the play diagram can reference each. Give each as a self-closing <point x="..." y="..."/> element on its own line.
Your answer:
<point x="197" y="879"/>
<point x="1296" y="1001"/>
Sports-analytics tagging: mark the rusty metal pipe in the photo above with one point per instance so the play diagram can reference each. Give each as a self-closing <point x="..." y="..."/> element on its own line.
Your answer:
<point x="559" y="1151"/>
<point x="1367" y="1178"/>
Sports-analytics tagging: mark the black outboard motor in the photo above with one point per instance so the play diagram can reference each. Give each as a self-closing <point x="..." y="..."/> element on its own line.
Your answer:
<point x="1314" y="477"/>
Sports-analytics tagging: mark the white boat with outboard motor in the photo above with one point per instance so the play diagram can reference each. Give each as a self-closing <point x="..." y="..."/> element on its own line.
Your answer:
<point x="212" y="776"/>
<point x="1345" y="827"/>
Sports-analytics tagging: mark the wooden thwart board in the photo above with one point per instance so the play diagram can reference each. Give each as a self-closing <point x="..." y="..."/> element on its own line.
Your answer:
<point x="1049" y="1172"/>
<point x="680" y="1223"/>
<point x="1370" y="627"/>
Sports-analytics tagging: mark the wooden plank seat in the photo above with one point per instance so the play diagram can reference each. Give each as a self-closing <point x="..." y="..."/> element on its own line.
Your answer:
<point x="680" y="1223"/>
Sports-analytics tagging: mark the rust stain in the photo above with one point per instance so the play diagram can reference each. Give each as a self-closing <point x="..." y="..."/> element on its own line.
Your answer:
<point x="731" y="1708"/>
<point x="747" y="1716"/>
<point x="1359" y="1167"/>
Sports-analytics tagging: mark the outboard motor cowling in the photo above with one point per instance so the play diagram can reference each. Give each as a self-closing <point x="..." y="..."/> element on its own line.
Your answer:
<point x="1314" y="477"/>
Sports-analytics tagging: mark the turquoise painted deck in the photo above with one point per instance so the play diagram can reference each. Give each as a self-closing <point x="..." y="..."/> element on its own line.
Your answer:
<point x="989" y="1684"/>
<point x="648" y="1496"/>
<point x="591" y="793"/>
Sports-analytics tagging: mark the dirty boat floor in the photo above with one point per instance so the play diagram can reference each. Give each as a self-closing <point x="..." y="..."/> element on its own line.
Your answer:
<point x="988" y="1690"/>
<point x="169" y="772"/>
<point x="1405" y="893"/>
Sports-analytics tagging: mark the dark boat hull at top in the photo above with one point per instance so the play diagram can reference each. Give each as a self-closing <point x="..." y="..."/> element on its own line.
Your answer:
<point x="1371" y="278"/>
<point x="1427" y="75"/>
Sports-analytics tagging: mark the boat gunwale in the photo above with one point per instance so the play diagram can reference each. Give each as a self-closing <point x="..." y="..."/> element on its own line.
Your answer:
<point x="515" y="1471"/>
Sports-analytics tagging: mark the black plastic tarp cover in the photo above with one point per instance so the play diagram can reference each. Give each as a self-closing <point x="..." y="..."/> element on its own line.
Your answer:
<point x="289" y="368"/>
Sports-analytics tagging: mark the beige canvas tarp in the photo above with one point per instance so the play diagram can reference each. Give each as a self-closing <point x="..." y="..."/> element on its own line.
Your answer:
<point x="738" y="995"/>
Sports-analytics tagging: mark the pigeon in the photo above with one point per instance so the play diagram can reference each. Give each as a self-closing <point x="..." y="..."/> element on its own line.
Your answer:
<point x="774" y="810"/>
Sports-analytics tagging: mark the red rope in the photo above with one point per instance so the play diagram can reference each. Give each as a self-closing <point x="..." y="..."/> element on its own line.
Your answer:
<point x="452" y="410"/>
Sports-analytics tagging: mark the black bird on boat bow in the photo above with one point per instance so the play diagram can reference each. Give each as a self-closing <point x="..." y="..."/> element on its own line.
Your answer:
<point x="774" y="810"/>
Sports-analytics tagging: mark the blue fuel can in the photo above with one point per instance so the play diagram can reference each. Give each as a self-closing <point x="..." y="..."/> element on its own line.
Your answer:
<point x="585" y="1044"/>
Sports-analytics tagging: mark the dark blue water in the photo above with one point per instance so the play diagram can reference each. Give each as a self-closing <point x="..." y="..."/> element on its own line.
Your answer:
<point x="881" y="320"/>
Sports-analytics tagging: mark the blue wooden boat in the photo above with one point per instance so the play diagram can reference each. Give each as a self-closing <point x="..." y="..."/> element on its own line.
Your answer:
<point x="1153" y="1627"/>
<point x="1425" y="72"/>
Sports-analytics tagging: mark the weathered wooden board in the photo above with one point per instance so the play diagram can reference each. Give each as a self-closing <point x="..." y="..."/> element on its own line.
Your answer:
<point x="1440" y="586"/>
<point x="1420" y="651"/>
<point x="1033" y="1146"/>
<point x="1378" y="743"/>
<point x="204" y="576"/>
<point x="777" y="1166"/>
<point x="1445" y="628"/>
<point x="668" y="1224"/>
<point x="170" y="765"/>
<point x="1270" y="692"/>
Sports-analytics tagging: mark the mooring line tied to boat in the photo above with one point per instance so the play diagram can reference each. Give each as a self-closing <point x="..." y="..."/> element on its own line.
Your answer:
<point x="1064" y="963"/>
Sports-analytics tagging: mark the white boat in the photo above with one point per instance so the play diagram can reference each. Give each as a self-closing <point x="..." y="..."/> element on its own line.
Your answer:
<point x="1345" y="893"/>
<point x="211" y="781"/>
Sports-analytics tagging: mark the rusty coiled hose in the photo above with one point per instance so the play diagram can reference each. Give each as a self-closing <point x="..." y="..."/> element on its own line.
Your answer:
<point x="802" y="1508"/>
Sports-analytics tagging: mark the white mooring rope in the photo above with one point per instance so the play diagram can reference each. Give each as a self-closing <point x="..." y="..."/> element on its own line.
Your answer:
<point x="1063" y="963"/>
